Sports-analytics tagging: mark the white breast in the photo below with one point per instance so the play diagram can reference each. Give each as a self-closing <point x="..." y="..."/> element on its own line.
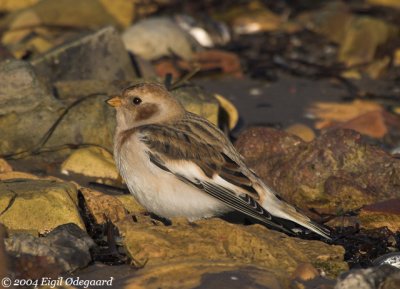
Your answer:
<point x="159" y="191"/>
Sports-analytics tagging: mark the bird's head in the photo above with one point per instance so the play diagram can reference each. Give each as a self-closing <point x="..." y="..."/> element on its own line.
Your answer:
<point x="145" y="103"/>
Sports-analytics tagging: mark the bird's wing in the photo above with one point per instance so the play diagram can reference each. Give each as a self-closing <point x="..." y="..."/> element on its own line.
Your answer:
<point x="203" y="163"/>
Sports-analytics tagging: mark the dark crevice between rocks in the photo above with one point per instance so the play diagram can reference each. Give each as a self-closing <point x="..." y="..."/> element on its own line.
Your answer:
<point x="109" y="249"/>
<point x="363" y="246"/>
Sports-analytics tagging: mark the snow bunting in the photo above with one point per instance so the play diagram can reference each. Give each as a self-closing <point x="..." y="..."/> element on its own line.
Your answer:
<point x="178" y="164"/>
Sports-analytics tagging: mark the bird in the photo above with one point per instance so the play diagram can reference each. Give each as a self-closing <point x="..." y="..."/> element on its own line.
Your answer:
<point x="178" y="164"/>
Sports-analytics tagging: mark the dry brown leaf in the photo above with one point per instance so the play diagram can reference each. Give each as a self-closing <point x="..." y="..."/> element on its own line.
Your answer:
<point x="328" y="113"/>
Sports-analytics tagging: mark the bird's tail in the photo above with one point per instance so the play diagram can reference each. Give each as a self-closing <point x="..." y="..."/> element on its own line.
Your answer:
<point x="283" y="210"/>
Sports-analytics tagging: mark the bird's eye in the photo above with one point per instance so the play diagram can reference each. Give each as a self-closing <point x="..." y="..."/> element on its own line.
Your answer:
<point x="136" y="101"/>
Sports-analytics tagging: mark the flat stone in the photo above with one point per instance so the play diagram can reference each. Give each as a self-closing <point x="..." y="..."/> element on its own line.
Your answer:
<point x="100" y="55"/>
<point x="382" y="214"/>
<point x="91" y="162"/>
<point x="38" y="205"/>
<point x="215" y="240"/>
<point x="203" y="275"/>
<point x="11" y="5"/>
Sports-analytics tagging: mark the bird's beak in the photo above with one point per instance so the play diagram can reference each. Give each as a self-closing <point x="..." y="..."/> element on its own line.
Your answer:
<point x="114" y="101"/>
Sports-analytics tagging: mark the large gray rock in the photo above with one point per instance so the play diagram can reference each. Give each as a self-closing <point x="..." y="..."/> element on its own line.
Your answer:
<point x="27" y="108"/>
<point x="20" y="89"/>
<point x="100" y="55"/>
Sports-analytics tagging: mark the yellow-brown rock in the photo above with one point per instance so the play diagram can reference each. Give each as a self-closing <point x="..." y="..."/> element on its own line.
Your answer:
<point x="215" y="240"/>
<point x="130" y="204"/>
<point x="91" y="162"/>
<point x="203" y="274"/>
<point x="382" y="214"/>
<point x="17" y="175"/>
<point x="362" y="39"/>
<point x="305" y="271"/>
<point x="11" y="5"/>
<point x="122" y="10"/>
<point x="387" y="3"/>
<point x="107" y="207"/>
<point x="302" y="131"/>
<point x="4" y="166"/>
<point x="38" y="205"/>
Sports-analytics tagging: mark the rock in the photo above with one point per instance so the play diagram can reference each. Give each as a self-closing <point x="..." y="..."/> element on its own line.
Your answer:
<point x="80" y="59"/>
<point x="89" y="14"/>
<point x="67" y="247"/>
<point x="392" y="281"/>
<point x="215" y="240"/>
<point x="203" y="274"/>
<point x="371" y="278"/>
<point x="305" y="272"/>
<point x="302" y="131"/>
<point x="91" y="162"/>
<point x="335" y="172"/>
<point x="382" y="214"/>
<point x="70" y="90"/>
<point x="254" y="17"/>
<point x="262" y="142"/>
<point x="123" y="11"/>
<point x="167" y="39"/>
<point x="3" y="254"/>
<point x="307" y="276"/>
<point x="196" y="100"/>
<point x="24" y="103"/>
<point x="21" y="90"/>
<point x="392" y="259"/>
<point x="103" y="207"/>
<point x="11" y="5"/>
<point x="397" y="57"/>
<point x="358" y="36"/>
<point x="4" y="167"/>
<point x="91" y="122"/>
<point x="130" y="204"/>
<point x="17" y="175"/>
<point x="363" y="37"/>
<point x="385" y="3"/>
<point x="38" y="206"/>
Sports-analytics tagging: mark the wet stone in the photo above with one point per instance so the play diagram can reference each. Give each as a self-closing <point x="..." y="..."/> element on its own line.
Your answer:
<point x="217" y="240"/>
<point x="67" y="248"/>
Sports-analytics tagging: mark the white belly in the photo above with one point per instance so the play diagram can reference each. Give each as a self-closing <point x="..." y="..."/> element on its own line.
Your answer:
<point x="159" y="191"/>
